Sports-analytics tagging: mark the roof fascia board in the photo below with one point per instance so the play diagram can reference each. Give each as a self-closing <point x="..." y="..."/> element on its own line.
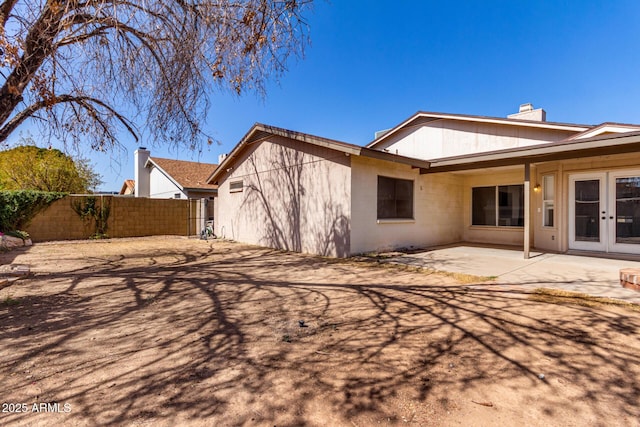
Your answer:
<point x="559" y="151"/>
<point x="603" y="128"/>
<point x="348" y="149"/>
<point x="201" y="190"/>
<point x="395" y="158"/>
<point x="521" y="160"/>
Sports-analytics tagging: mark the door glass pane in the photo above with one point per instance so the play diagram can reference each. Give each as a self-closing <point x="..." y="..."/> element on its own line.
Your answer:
<point x="587" y="206"/>
<point x="548" y="214"/>
<point x="628" y="210"/>
<point x="548" y="187"/>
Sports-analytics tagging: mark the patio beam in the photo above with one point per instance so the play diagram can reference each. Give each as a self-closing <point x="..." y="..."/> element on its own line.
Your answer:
<point x="527" y="207"/>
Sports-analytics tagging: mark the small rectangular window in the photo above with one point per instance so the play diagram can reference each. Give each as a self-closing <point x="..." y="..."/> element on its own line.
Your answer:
<point x="395" y="198"/>
<point x="548" y="192"/>
<point x="236" y="186"/>
<point x="177" y="196"/>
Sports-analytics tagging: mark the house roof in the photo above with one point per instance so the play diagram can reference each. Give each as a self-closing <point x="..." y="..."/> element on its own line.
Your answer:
<point x="422" y="117"/>
<point x="187" y="175"/>
<point x="128" y="187"/>
<point x="568" y="149"/>
<point x="260" y="132"/>
<point x="607" y="127"/>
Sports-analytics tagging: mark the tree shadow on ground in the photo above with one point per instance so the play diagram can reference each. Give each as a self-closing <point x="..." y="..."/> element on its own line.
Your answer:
<point x="212" y="336"/>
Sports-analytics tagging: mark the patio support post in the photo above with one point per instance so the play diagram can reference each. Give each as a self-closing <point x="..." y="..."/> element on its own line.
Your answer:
<point x="527" y="214"/>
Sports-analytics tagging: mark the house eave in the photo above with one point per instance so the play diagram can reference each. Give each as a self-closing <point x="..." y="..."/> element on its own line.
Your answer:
<point x="589" y="147"/>
<point x="201" y="190"/>
<point x="260" y="132"/>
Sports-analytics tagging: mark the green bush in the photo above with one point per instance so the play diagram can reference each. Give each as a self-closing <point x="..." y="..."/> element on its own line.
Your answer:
<point x="17" y="208"/>
<point x="18" y="233"/>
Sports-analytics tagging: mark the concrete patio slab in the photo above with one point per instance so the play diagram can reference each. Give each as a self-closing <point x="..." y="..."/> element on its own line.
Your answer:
<point x="589" y="275"/>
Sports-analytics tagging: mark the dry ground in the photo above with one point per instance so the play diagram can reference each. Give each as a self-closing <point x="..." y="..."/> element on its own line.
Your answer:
<point x="171" y="331"/>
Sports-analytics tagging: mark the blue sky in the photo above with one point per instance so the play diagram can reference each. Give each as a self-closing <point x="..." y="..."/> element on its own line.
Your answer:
<point x="373" y="64"/>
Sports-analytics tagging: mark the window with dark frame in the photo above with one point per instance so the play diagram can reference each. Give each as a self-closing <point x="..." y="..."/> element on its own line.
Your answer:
<point x="501" y="205"/>
<point x="236" y="186"/>
<point x="395" y="198"/>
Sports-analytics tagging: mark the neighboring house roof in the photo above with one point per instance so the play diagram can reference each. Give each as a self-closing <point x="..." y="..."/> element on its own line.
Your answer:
<point x="186" y="175"/>
<point x="423" y="117"/>
<point x="128" y="187"/>
<point x="261" y="132"/>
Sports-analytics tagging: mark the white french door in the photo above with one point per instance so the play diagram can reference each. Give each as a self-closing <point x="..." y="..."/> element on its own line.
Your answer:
<point x="587" y="212"/>
<point x="604" y="211"/>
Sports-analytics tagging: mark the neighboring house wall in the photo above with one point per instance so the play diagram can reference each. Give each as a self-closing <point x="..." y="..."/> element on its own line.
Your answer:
<point x="161" y="187"/>
<point x="437" y="208"/>
<point x="447" y="138"/>
<point x="293" y="196"/>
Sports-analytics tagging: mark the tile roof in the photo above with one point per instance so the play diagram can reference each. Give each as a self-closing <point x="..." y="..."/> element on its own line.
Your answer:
<point x="189" y="175"/>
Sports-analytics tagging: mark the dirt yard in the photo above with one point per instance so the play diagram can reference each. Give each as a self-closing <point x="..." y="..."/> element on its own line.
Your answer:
<point x="172" y="331"/>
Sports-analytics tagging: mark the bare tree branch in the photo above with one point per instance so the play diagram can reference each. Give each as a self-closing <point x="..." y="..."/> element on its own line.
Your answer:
<point x="158" y="63"/>
<point x="82" y="101"/>
<point x="5" y="10"/>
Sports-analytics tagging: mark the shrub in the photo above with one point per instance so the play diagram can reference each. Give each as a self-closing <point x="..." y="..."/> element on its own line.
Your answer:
<point x="98" y="212"/>
<point x="18" y="208"/>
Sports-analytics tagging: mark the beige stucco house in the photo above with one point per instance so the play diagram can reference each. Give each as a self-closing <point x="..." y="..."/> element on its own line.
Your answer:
<point x="437" y="179"/>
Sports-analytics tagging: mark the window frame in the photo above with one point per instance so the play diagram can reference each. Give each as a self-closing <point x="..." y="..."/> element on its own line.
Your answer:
<point x="496" y="223"/>
<point x="237" y="189"/>
<point x="395" y="216"/>
<point x="548" y="201"/>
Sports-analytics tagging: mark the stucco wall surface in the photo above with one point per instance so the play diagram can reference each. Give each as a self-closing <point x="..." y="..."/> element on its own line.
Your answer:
<point x="446" y="138"/>
<point x="293" y="196"/>
<point x="437" y="208"/>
